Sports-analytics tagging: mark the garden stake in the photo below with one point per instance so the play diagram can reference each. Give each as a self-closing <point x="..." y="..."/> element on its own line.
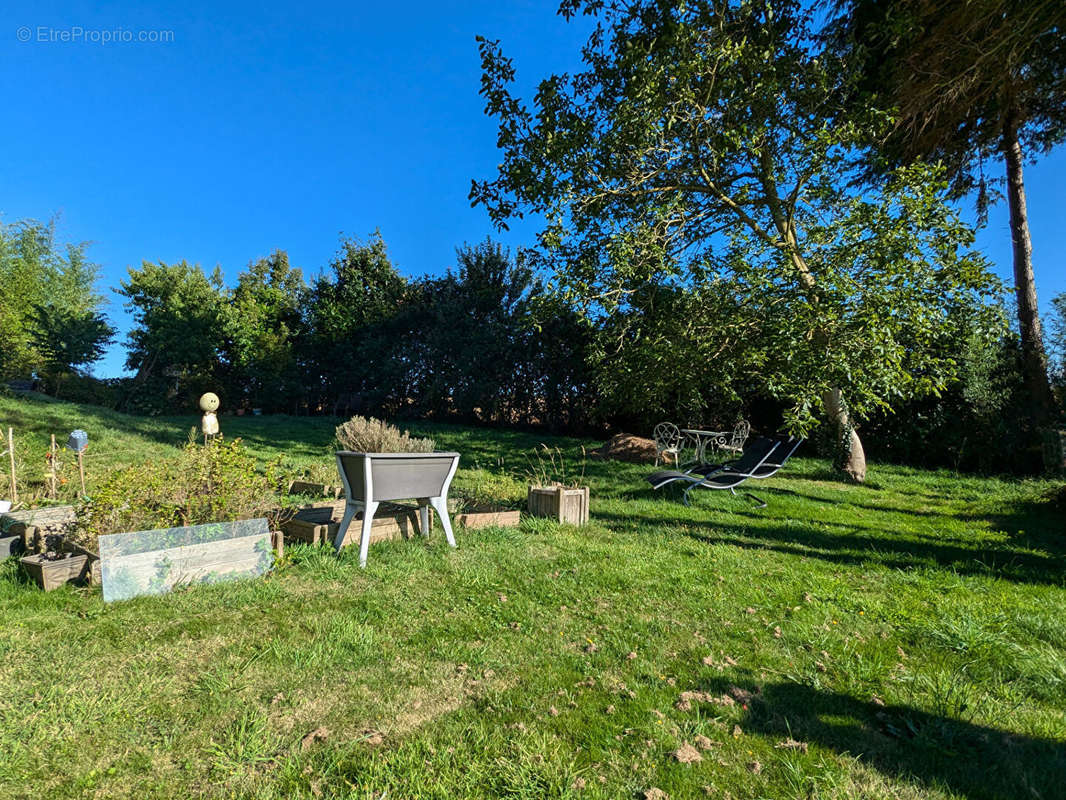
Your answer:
<point x="81" y="472"/>
<point x="11" y="453"/>
<point x="52" y="466"/>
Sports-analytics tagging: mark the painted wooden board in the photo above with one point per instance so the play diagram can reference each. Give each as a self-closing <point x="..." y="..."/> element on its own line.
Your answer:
<point x="154" y="562"/>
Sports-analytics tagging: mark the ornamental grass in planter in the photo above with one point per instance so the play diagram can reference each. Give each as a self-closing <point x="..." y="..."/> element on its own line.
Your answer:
<point x="556" y="489"/>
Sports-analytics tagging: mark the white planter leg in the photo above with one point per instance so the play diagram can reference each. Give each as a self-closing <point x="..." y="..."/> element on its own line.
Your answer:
<point x="440" y="505"/>
<point x="350" y="510"/>
<point x="364" y="539"/>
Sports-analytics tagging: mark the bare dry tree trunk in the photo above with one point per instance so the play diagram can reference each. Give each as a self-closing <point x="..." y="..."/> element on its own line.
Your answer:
<point x="1034" y="359"/>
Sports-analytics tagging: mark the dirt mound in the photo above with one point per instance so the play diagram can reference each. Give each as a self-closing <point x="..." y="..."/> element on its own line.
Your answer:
<point x="627" y="447"/>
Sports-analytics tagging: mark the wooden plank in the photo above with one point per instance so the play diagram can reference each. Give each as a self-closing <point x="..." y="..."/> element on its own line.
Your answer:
<point x="154" y="562"/>
<point x="487" y="518"/>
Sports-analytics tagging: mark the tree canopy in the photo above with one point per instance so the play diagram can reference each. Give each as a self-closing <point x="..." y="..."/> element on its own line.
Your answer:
<point x="967" y="83"/>
<point x="51" y="323"/>
<point x="711" y="145"/>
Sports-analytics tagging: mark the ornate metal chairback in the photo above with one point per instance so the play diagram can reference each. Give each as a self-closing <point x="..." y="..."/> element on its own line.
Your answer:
<point x="740" y="434"/>
<point x="667" y="435"/>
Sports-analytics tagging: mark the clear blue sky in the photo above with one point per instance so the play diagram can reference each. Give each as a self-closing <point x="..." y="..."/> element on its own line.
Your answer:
<point x="260" y="127"/>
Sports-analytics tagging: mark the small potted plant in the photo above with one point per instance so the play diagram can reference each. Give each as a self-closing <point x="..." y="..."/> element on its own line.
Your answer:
<point x="58" y="565"/>
<point x="556" y="491"/>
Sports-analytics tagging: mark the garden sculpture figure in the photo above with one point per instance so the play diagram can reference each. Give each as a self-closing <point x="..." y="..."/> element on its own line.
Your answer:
<point x="209" y="423"/>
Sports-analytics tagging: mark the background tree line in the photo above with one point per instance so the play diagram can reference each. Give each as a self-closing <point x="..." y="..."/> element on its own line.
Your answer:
<point x="485" y="342"/>
<point x="488" y="342"/>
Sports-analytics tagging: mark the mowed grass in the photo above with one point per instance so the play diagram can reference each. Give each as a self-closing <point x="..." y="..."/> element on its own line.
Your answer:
<point x="904" y="639"/>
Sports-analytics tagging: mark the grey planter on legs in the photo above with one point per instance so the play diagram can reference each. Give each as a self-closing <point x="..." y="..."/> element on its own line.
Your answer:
<point x="372" y="478"/>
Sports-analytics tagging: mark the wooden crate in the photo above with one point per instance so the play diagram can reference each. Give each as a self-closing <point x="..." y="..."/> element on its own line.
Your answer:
<point x="93" y="559"/>
<point x="487" y="517"/>
<point x="560" y="504"/>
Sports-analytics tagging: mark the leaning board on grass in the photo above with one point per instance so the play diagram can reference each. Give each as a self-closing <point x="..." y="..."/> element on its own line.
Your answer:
<point x="154" y="562"/>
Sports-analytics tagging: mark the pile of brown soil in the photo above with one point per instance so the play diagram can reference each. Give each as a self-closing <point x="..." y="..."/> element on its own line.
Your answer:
<point x="627" y="447"/>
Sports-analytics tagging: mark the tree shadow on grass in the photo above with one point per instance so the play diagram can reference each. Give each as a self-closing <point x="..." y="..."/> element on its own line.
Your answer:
<point x="908" y="744"/>
<point x="844" y="543"/>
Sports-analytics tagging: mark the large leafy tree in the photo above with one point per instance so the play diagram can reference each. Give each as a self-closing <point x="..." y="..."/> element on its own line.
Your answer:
<point x="262" y="322"/>
<point x="467" y="337"/>
<point x="349" y="308"/>
<point x="969" y="82"/>
<point x="704" y="142"/>
<point x="50" y="312"/>
<point x="177" y="334"/>
<point x="68" y="340"/>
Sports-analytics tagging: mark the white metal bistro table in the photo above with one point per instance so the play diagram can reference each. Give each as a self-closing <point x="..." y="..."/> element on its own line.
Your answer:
<point x="701" y="440"/>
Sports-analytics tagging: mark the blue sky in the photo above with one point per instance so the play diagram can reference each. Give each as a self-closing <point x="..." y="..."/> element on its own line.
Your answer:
<point x="260" y="127"/>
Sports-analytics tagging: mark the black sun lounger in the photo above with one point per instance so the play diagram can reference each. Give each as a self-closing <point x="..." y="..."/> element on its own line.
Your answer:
<point x="762" y="458"/>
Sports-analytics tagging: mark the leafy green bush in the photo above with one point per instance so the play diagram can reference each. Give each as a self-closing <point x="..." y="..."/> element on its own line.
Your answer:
<point x="217" y="482"/>
<point x="371" y="435"/>
<point x="477" y="488"/>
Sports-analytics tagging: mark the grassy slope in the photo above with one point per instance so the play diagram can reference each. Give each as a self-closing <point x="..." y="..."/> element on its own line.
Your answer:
<point x="910" y="633"/>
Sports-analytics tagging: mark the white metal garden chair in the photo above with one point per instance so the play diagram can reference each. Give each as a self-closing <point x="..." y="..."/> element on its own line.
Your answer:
<point x="668" y="441"/>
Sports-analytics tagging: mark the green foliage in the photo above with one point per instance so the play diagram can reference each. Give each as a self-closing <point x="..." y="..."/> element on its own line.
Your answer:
<point x="347" y="319"/>
<point x="958" y="76"/>
<point x="478" y="487"/>
<point x="550" y="466"/>
<point x="262" y="324"/>
<point x="700" y="151"/>
<point x="1057" y="347"/>
<point x="68" y="339"/>
<point x="174" y="344"/>
<point x="218" y="482"/>
<point x="372" y="435"/>
<point x="50" y="320"/>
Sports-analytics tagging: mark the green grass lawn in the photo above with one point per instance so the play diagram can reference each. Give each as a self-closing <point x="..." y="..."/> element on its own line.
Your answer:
<point x="904" y="639"/>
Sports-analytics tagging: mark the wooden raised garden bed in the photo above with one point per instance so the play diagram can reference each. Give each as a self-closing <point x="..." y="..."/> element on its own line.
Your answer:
<point x="11" y="546"/>
<point x="318" y="524"/>
<point x="488" y="517"/>
<point x="560" y="503"/>
<point x="315" y="489"/>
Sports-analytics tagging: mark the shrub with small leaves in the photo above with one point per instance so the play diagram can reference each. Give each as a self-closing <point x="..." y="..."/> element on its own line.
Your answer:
<point x="217" y="482"/>
<point x="371" y="435"/>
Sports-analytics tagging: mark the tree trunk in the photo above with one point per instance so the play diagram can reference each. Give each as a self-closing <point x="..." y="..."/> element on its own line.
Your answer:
<point x="852" y="455"/>
<point x="1034" y="359"/>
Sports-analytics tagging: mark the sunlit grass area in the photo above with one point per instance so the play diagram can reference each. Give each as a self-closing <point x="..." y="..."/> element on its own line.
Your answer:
<point x="903" y="639"/>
